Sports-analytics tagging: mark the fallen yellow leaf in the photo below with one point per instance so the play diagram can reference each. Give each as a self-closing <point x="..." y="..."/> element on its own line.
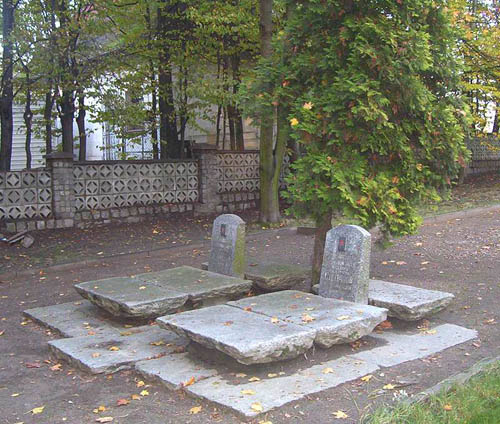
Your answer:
<point x="195" y="410"/>
<point x="340" y="415"/>
<point x="114" y="348"/>
<point x="252" y="379"/>
<point x="104" y="420"/>
<point x="275" y="320"/>
<point x="190" y="382"/>
<point x="144" y="393"/>
<point x="328" y="371"/>
<point x="135" y="397"/>
<point x="248" y="392"/>
<point x="447" y="407"/>
<point x="367" y="378"/>
<point x="257" y="407"/>
<point x="15" y="394"/>
<point x="307" y="318"/>
<point x="101" y="408"/>
<point x="140" y="383"/>
<point x="158" y="343"/>
<point x="122" y="402"/>
<point x="37" y="410"/>
<point x="240" y="375"/>
<point x="272" y="375"/>
<point x="389" y="386"/>
<point x="96" y="355"/>
<point x="343" y="317"/>
<point x="142" y="288"/>
<point x="56" y="367"/>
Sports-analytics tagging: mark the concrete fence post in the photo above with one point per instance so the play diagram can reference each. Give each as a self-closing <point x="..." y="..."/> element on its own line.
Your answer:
<point x="209" y="198"/>
<point x="63" y="197"/>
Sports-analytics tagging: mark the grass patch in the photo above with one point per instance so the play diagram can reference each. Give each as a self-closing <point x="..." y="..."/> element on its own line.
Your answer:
<point x="477" y="402"/>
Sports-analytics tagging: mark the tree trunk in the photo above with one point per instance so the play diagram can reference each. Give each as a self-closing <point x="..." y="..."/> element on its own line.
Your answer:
<point x="323" y="227"/>
<point x="154" y="129"/>
<point x="80" y="120"/>
<point x="168" y="122"/>
<point x="231" y="118"/>
<point x="495" y="121"/>
<point x="237" y="119"/>
<point x="67" y="117"/>
<point x="47" y="117"/>
<point x="28" y="121"/>
<point x="7" y="90"/>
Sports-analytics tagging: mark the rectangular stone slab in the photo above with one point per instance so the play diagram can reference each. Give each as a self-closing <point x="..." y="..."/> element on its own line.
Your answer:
<point x="175" y="371"/>
<point x="399" y="348"/>
<point x="406" y="302"/>
<point x="159" y="293"/>
<point x="277" y="276"/>
<point x="74" y="319"/>
<point x="335" y="321"/>
<point x="248" y="337"/>
<point x="198" y="284"/>
<point x="111" y="353"/>
<point x="132" y="297"/>
<point x="275" y="392"/>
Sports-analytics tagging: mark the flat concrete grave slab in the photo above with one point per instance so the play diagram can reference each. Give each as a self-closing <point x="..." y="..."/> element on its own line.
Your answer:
<point x="199" y="285"/>
<point x="272" y="393"/>
<point x="132" y="297"/>
<point x="406" y="302"/>
<point x="175" y="371"/>
<point x="275" y="276"/>
<point x="248" y="337"/>
<point x="74" y="319"/>
<point x="335" y="321"/>
<point x="159" y="293"/>
<point x="247" y="398"/>
<point x="110" y="353"/>
<point x="399" y="348"/>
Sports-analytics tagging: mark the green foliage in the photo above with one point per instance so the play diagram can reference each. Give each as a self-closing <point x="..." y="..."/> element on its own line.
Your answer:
<point x="376" y="106"/>
<point x="477" y="402"/>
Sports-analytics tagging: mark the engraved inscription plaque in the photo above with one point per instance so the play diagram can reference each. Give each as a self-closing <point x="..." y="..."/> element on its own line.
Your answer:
<point x="227" y="254"/>
<point x="346" y="264"/>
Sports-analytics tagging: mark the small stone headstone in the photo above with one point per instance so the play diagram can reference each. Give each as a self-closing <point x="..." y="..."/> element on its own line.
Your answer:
<point x="227" y="254"/>
<point x="346" y="264"/>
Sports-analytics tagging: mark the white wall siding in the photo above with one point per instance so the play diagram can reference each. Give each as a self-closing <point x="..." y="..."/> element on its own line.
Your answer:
<point x="18" y="142"/>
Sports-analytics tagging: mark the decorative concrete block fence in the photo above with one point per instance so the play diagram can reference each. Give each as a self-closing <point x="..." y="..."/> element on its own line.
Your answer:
<point x="69" y="193"/>
<point x="485" y="156"/>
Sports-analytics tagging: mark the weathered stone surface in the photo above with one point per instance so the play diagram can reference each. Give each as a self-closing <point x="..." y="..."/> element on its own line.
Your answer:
<point x="159" y="293"/>
<point x="132" y="297"/>
<point x="74" y="319"/>
<point x="248" y="337"/>
<point x="346" y="264"/>
<point x="175" y="371"/>
<point x="198" y="284"/>
<point x="109" y="353"/>
<point x="227" y="253"/>
<point x="275" y="392"/>
<point x="406" y="302"/>
<point x="274" y="276"/>
<point x="399" y="348"/>
<point x="335" y="321"/>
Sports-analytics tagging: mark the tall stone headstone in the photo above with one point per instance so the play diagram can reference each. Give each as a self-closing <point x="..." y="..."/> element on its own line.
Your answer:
<point x="227" y="254"/>
<point x="346" y="264"/>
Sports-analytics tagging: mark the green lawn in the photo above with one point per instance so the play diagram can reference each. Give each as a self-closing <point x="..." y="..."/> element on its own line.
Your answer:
<point x="477" y="402"/>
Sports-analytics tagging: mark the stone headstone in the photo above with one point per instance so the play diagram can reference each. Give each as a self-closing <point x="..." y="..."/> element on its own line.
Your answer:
<point x="227" y="254"/>
<point x="346" y="264"/>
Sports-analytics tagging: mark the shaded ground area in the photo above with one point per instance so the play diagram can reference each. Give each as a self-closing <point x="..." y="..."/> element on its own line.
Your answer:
<point x="72" y="245"/>
<point x="460" y="255"/>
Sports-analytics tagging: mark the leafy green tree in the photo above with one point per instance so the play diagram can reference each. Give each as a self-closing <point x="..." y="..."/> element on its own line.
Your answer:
<point x="377" y="108"/>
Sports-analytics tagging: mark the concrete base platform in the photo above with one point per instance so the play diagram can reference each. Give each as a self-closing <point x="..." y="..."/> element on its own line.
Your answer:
<point x="248" y="337"/>
<point x="75" y="319"/>
<point x="159" y="293"/>
<point x="334" y="321"/>
<point x="405" y="302"/>
<point x="110" y="353"/>
<point x="252" y="398"/>
<point x="175" y="371"/>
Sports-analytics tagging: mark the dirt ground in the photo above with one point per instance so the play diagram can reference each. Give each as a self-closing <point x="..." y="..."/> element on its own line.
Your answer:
<point x="460" y="255"/>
